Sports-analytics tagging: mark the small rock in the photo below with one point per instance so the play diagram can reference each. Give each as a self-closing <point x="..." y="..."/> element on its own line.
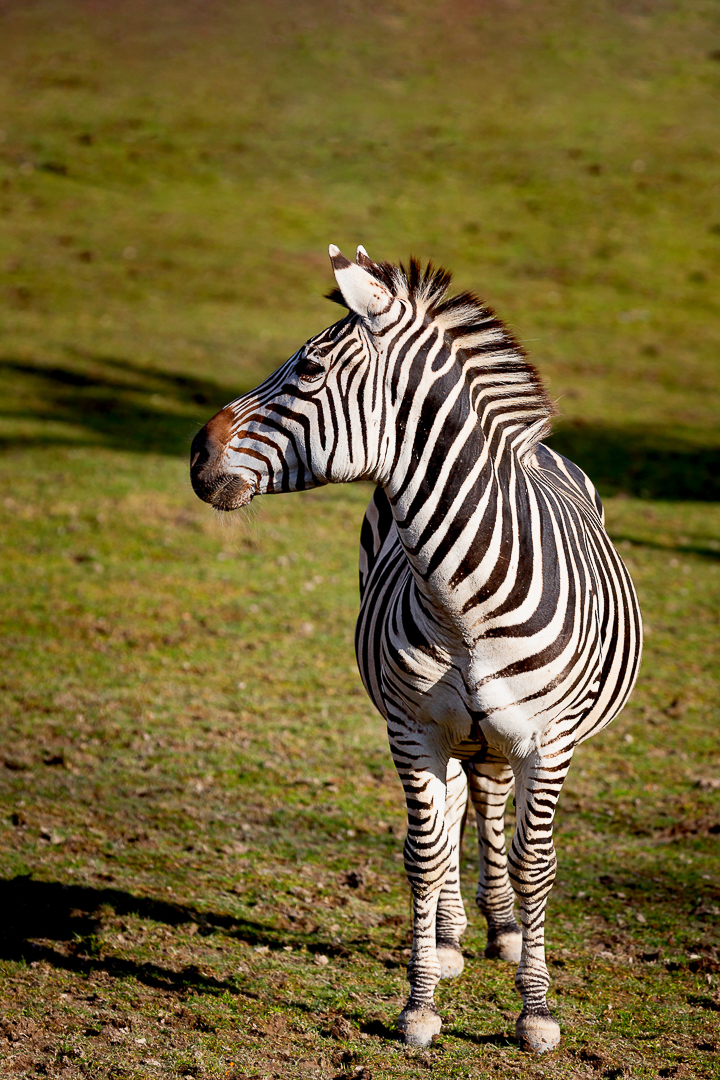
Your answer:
<point x="321" y="960"/>
<point x="275" y="1025"/>
<point x="704" y="909"/>
<point x="341" y="1029"/>
<point x="51" y="836"/>
<point x="355" y="879"/>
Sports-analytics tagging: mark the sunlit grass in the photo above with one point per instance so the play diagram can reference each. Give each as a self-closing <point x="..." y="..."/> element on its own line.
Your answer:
<point x="200" y="808"/>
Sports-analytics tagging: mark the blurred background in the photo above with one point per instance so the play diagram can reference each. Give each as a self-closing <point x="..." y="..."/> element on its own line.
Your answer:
<point x="172" y="176"/>
<point x="181" y="711"/>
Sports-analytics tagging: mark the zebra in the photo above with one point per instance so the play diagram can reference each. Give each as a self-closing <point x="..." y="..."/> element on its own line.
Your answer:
<point x="498" y="626"/>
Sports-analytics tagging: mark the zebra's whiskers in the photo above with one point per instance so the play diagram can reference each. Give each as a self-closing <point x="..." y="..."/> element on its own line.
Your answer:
<point x="244" y="519"/>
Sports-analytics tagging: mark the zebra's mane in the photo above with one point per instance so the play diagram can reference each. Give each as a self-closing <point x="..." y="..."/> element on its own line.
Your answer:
<point x="486" y="346"/>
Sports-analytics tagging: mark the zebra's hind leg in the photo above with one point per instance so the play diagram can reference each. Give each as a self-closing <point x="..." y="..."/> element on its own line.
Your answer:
<point x="538" y="781"/>
<point x="451" y="918"/>
<point x="491" y="782"/>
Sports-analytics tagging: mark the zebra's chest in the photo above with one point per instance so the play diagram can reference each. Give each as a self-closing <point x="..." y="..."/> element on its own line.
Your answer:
<point x="495" y="693"/>
<point x="522" y="671"/>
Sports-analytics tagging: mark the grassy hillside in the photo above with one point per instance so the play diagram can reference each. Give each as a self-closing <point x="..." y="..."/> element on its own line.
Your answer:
<point x="201" y="824"/>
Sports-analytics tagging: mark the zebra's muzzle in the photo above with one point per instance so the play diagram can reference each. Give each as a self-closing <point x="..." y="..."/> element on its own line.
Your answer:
<point x="210" y="480"/>
<point x="222" y="490"/>
<point x="237" y="492"/>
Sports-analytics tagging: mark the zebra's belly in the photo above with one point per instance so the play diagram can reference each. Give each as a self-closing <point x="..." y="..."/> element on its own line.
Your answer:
<point x="470" y="750"/>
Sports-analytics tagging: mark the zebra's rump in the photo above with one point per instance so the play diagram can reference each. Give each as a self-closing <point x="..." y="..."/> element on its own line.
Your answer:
<point x="620" y="628"/>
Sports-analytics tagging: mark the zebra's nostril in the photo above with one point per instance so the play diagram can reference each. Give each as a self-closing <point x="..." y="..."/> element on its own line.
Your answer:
<point x="199" y="451"/>
<point x="202" y="455"/>
<point x="207" y="451"/>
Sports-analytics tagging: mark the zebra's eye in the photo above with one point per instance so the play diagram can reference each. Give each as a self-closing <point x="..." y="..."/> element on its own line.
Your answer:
<point x="309" y="368"/>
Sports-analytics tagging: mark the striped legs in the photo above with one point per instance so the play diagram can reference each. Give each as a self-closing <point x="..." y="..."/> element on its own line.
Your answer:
<point x="532" y="863"/>
<point x="435" y="795"/>
<point x="451" y="918"/>
<point x="429" y="857"/>
<point x="491" y="782"/>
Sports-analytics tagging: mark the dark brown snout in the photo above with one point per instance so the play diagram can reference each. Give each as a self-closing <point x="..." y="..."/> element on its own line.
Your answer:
<point x="210" y="480"/>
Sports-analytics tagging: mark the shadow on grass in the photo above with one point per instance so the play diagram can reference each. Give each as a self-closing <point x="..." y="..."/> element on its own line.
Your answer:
<point x="45" y="920"/>
<point x="117" y="403"/>
<point x="683" y="549"/>
<point x="129" y="406"/>
<point x="641" y="461"/>
<point x="485" y="1040"/>
<point x="376" y="1027"/>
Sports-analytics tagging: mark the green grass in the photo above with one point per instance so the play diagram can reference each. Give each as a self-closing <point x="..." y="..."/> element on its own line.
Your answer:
<point x="199" y="808"/>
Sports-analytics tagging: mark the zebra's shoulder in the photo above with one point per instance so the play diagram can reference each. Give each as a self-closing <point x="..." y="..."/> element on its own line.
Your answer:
<point x="560" y="469"/>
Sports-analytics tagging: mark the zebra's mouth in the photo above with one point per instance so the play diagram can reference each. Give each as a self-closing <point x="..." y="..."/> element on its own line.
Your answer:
<point x="222" y="490"/>
<point x="232" y="495"/>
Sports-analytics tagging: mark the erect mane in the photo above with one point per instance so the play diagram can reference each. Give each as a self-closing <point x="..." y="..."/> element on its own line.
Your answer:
<point x="426" y="287"/>
<point x="482" y="338"/>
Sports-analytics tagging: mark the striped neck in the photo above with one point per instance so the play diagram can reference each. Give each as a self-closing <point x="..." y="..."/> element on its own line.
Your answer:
<point x="465" y="431"/>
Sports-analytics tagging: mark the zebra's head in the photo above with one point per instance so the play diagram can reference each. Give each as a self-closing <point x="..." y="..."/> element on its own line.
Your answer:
<point x="346" y="406"/>
<point x="316" y="420"/>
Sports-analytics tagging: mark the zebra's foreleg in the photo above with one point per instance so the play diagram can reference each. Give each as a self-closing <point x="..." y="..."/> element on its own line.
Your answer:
<point x="491" y="782"/>
<point x="451" y="918"/>
<point x="428" y="857"/>
<point x="532" y="864"/>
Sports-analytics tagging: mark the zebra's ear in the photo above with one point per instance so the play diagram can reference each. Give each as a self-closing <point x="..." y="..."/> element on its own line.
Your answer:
<point x="363" y="293"/>
<point x="362" y="258"/>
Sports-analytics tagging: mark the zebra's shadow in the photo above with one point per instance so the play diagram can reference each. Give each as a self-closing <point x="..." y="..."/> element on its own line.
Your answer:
<point x="59" y="923"/>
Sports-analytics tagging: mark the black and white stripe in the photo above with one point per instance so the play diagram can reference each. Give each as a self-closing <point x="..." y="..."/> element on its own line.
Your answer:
<point x="498" y="626"/>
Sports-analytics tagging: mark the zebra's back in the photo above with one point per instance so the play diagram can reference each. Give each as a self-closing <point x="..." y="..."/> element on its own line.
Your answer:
<point x="620" y="628"/>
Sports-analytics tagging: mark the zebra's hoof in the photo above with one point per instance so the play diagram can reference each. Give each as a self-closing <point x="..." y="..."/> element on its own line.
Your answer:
<point x="418" y="1023"/>
<point x="451" y="959"/>
<point x="537" y="1032"/>
<point x="507" y="945"/>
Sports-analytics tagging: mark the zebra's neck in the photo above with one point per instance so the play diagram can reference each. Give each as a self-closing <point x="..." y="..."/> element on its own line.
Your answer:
<point x="459" y="488"/>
